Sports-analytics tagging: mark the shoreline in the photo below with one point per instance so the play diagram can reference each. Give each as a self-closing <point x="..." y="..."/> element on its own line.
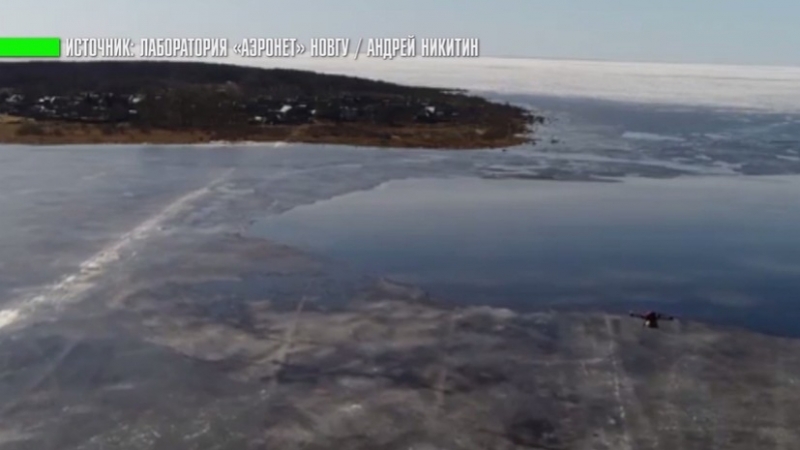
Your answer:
<point x="123" y="102"/>
<point x="430" y="137"/>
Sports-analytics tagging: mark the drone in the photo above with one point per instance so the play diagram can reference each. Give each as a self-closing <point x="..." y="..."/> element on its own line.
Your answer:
<point x="651" y="318"/>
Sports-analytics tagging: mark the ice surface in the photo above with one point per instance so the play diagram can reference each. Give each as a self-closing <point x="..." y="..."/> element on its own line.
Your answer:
<point x="758" y="88"/>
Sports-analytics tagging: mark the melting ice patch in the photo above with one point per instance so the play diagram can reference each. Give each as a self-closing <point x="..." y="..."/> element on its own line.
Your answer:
<point x="642" y="136"/>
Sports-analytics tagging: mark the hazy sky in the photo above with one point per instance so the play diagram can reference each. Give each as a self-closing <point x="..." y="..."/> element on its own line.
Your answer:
<point x="711" y="31"/>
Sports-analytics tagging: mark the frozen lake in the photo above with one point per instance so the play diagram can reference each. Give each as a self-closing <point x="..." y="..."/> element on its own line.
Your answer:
<point x="610" y="187"/>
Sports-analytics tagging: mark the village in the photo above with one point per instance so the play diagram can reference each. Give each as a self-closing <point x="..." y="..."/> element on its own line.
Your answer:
<point x="58" y="103"/>
<point x="112" y="107"/>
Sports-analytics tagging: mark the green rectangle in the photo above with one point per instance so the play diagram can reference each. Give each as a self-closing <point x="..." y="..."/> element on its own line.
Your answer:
<point x="30" y="47"/>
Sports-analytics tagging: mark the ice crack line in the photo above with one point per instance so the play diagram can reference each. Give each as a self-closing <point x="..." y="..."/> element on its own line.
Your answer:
<point x="72" y="286"/>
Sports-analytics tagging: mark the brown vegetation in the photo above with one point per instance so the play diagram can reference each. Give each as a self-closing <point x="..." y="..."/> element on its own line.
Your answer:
<point x="440" y="136"/>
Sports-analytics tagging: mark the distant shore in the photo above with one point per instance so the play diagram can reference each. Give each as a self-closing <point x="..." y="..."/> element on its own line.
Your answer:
<point x="130" y="102"/>
<point x="14" y="130"/>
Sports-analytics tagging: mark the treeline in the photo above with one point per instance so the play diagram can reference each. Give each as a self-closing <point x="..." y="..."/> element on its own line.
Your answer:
<point x="226" y="97"/>
<point x="65" y="78"/>
<point x="190" y="107"/>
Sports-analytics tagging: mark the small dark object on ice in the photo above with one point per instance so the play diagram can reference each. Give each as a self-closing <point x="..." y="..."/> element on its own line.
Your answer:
<point x="651" y="318"/>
